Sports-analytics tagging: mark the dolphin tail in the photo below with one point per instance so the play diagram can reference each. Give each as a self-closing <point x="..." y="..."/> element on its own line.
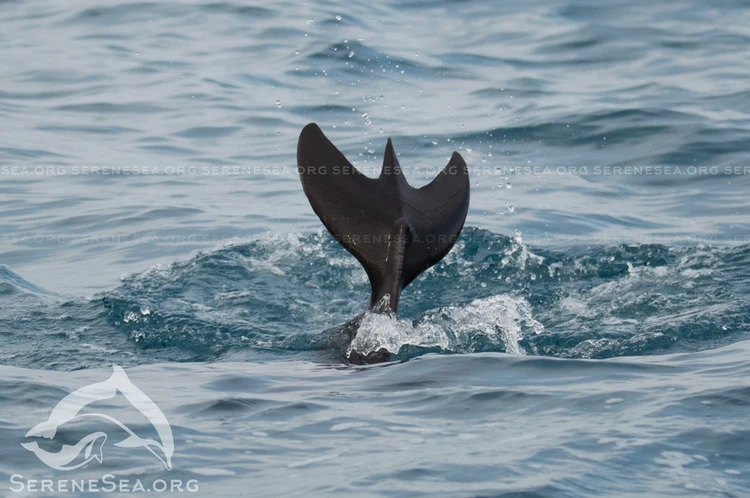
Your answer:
<point x="394" y="230"/>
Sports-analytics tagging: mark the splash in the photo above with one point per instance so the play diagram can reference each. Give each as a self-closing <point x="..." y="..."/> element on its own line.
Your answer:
<point x="487" y="323"/>
<point x="382" y="329"/>
<point x="519" y="254"/>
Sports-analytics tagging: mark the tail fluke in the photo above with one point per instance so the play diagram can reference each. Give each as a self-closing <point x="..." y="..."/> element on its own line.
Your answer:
<point x="394" y="230"/>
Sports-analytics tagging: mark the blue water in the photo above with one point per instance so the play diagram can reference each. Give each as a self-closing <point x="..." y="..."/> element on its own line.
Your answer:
<point x="588" y="335"/>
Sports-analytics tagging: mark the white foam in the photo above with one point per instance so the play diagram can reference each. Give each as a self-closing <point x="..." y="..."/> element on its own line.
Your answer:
<point x="385" y="331"/>
<point x="498" y="319"/>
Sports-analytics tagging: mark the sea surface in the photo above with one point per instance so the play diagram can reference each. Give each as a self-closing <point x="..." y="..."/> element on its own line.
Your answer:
<point x="588" y="335"/>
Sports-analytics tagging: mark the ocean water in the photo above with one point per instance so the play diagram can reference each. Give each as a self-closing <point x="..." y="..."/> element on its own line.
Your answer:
<point x="589" y="334"/>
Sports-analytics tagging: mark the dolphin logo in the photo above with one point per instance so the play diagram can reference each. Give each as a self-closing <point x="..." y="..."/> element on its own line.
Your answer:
<point x="69" y="408"/>
<point x="63" y="458"/>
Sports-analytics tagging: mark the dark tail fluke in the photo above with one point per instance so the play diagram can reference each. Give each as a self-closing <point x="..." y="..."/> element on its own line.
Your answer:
<point x="394" y="230"/>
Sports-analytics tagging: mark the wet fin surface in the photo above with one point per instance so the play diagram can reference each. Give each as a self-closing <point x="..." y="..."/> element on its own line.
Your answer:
<point x="394" y="230"/>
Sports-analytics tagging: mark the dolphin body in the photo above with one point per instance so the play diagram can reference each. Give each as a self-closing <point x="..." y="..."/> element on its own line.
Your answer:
<point x="394" y="230"/>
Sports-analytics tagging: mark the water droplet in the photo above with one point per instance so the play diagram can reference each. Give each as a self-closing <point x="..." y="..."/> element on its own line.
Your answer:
<point x="511" y="208"/>
<point x="351" y="54"/>
<point x="434" y="142"/>
<point x="508" y="185"/>
<point x="278" y="104"/>
<point x="338" y="18"/>
<point x="296" y="52"/>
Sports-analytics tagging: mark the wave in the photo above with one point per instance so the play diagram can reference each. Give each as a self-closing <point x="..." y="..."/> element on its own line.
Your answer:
<point x="289" y="294"/>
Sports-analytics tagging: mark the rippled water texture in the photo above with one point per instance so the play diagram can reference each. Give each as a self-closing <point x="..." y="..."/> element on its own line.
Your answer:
<point x="587" y="336"/>
<point x="521" y="86"/>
